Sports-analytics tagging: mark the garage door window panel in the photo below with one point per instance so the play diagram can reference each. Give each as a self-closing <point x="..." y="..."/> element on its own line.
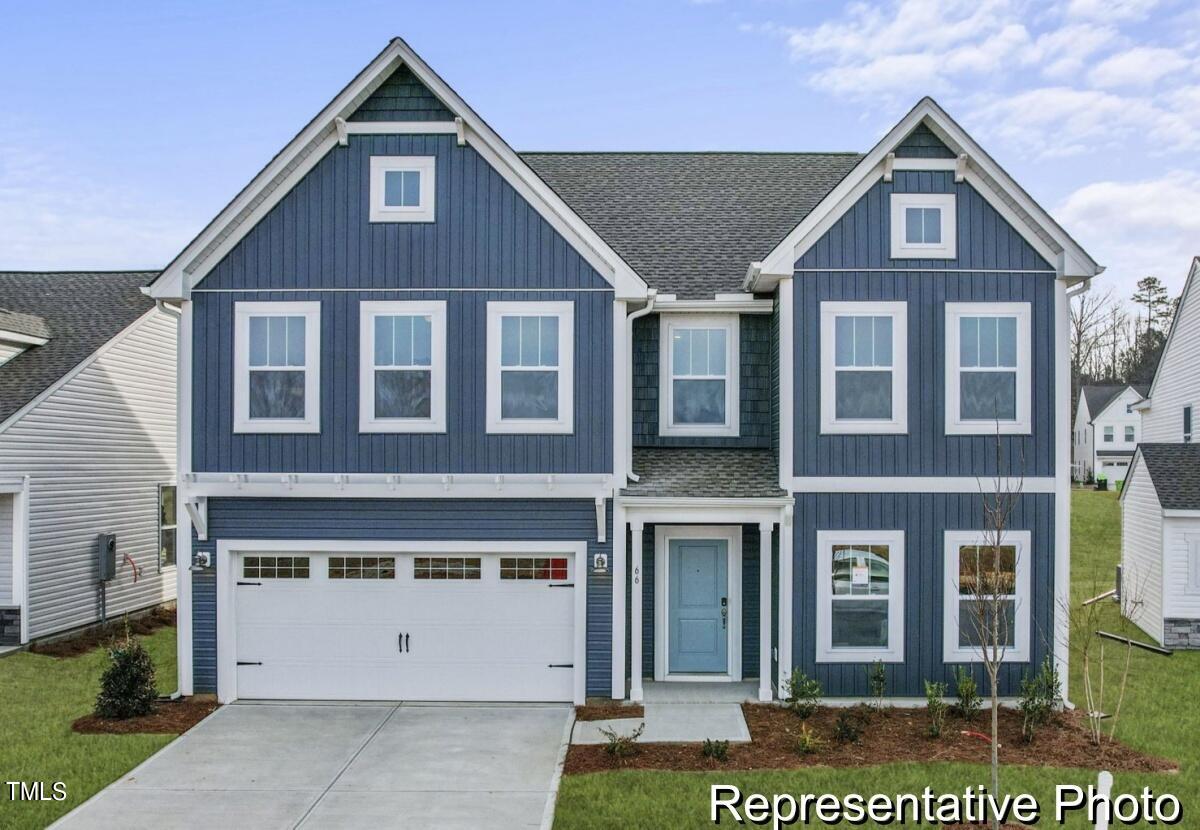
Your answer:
<point x="275" y="567"/>
<point x="533" y="568"/>
<point x="447" y="567"/>
<point x="362" y="567"/>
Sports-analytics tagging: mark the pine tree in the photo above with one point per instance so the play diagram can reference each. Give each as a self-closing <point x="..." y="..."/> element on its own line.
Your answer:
<point x="1153" y="295"/>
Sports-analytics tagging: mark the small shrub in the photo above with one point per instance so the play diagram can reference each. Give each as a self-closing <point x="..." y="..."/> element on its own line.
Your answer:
<point x="127" y="688"/>
<point x="877" y="680"/>
<point x="808" y="741"/>
<point x="620" y="747"/>
<point x="804" y="693"/>
<point x="936" y="706"/>
<point x="848" y="727"/>
<point x="1039" y="696"/>
<point x="717" y="750"/>
<point x="967" y="692"/>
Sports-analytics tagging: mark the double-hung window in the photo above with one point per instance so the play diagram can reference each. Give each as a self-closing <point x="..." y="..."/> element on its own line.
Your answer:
<point x="987" y="592"/>
<point x="530" y="367"/>
<point x="864" y="367"/>
<point x="402" y="188"/>
<point x="860" y="596"/>
<point x="923" y="226"/>
<point x="1109" y="435"/>
<point x="1130" y="434"/>
<point x="402" y="368"/>
<point x="166" y="525"/>
<point x="698" y="374"/>
<point x="277" y="363"/>
<point x="988" y="381"/>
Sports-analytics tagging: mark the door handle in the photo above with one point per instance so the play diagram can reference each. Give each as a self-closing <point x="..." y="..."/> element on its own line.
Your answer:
<point x="406" y="649"/>
<point x="724" y="612"/>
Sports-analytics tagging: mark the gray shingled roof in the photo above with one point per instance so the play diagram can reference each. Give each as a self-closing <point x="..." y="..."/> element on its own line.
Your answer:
<point x="1175" y="471"/>
<point x="28" y="324"/>
<point x="1099" y="397"/>
<point x="691" y="223"/>
<point x="79" y="312"/>
<point x="702" y="472"/>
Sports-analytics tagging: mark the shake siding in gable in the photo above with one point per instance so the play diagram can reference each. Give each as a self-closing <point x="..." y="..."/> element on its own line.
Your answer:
<point x="861" y="239"/>
<point x="436" y="519"/>
<point x="402" y="97"/>
<point x="487" y="243"/>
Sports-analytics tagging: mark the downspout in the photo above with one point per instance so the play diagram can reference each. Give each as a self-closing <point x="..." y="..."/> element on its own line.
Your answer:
<point x="651" y="296"/>
<point x="162" y="306"/>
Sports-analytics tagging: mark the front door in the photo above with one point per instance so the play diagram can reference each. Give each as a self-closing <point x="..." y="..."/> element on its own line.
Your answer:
<point x="698" y="606"/>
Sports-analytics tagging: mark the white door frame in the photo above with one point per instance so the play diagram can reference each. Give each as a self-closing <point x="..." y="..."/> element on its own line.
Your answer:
<point x="663" y="534"/>
<point x="227" y="549"/>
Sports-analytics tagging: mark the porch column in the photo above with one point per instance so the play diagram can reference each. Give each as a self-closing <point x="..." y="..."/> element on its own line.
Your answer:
<point x="635" y="611"/>
<point x="764" y="610"/>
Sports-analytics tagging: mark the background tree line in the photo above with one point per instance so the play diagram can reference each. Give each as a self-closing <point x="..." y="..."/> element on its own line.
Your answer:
<point x="1113" y="344"/>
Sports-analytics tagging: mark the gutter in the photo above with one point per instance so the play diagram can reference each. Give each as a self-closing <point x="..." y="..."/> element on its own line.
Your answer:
<point x="651" y="296"/>
<point x="171" y="310"/>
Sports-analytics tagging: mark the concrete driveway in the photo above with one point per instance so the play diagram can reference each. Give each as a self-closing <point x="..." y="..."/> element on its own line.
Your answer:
<point x="345" y="766"/>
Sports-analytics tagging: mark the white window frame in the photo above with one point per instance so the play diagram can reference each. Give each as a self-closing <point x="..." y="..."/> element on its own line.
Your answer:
<point x="894" y="539"/>
<point x="173" y="526"/>
<point x="565" y="422"/>
<point x="425" y="211"/>
<point x="898" y="423"/>
<point x="947" y="248"/>
<point x="1130" y="434"/>
<point x="242" y="312"/>
<point x="1023" y="424"/>
<point x="952" y="652"/>
<point x="369" y="310"/>
<point x="668" y="323"/>
<point x="1110" y="434"/>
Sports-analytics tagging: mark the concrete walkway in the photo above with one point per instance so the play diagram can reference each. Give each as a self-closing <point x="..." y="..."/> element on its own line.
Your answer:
<point x="345" y="766"/>
<point x="673" y="723"/>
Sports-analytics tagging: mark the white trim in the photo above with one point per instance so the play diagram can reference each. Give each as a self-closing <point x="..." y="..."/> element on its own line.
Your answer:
<point x="786" y="561"/>
<point x="732" y="535"/>
<point x="945" y="204"/>
<point x="914" y="163"/>
<point x="426" y="208"/>
<point x="25" y="339"/>
<point x="320" y="135"/>
<point x="787" y="401"/>
<point x="929" y="272"/>
<point x="183" y="524"/>
<point x="1062" y="489"/>
<point x="397" y="289"/>
<point x="637" y="570"/>
<point x="731" y="325"/>
<point x="20" y="554"/>
<point x="173" y="527"/>
<point x="399" y="486"/>
<point x="765" y="529"/>
<point x="400" y="127"/>
<point x="952" y="652"/>
<point x="565" y="422"/>
<point x="995" y="185"/>
<point x="722" y="304"/>
<point x="369" y="310"/>
<point x="622" y="421"/>
<point x="655" y="510"/>
<point x="311" y="312"/>
<point x="894" y="652"/>
<point x="915" y="484"/>
<point x="620" y="551"/>
<point x="898" y="423"/>
<point x="1023" y="423"/>
<point x="1181" y="514"/>
<point x="226" y="579"/>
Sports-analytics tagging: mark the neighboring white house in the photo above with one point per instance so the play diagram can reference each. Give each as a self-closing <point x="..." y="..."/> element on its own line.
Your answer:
<point x="1106" y="431"/>
<point x="1160" y="505"/>
<point x="87" y="446"/>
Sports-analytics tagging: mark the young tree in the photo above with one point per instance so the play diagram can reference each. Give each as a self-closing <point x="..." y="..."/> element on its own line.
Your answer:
<point x="1152" y="294"/>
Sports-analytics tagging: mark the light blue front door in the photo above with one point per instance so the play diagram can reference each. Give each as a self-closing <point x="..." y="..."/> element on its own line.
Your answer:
<point x="697" y="606"/>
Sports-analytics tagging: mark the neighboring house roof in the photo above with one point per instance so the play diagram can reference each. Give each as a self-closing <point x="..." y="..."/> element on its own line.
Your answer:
<point x="1118" y="454"/>
<point x="77" y="312"/>
<point x="29" y="325"/>
<point x="703" y="472"/>
<point x="1099" y="397"/>
<point x="690" y="223"/>
<point x="1175" y="471"/>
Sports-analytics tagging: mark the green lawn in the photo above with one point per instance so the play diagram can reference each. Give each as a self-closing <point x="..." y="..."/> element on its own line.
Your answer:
<point x="1158" y="717"/>
<point x="41" y="697"/>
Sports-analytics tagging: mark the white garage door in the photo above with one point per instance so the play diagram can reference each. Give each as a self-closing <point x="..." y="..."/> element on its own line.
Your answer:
<point x="349" y="626"/>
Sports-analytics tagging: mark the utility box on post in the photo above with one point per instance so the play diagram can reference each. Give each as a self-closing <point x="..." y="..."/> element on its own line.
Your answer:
<point x="106" y="548"/>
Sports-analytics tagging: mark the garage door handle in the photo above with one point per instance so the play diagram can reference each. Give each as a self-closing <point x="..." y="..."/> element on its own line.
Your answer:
<point x="561" y="666"/>
<point x="249" y="663"/>
<point x="406" y="648"/>
<point x="249" y="583"/>
<point x="562" y="584"/>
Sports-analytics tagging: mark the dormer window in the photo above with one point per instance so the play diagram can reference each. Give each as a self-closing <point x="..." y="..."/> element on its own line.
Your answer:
<point x="698" y="375"/>
<point x="923" y="226"/>
<point x="402" y="188"/>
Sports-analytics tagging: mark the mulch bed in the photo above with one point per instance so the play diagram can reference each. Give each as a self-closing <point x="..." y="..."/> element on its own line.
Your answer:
<point x="609" y="711"/>
<point x="102" y="635"/>
<point x="171" y="718"/>
<point x="893" y="735"/>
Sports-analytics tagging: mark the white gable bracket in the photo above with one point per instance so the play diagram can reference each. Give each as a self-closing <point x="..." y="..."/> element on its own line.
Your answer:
<point x="197" y="509"/>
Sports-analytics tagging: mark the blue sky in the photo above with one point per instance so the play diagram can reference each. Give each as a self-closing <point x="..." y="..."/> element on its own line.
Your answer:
<point x="126" y="127"/>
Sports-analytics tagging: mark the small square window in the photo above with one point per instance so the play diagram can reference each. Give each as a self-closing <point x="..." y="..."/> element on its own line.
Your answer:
<point x="403" y="188"/>
<point x="923" y="226"/>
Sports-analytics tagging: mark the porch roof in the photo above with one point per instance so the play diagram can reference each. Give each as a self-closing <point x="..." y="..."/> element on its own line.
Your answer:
<point x="705" y="472"/>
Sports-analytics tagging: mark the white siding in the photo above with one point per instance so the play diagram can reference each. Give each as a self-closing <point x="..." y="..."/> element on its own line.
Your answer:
<point x="6" y="538"/>
<point x="96" y="450"/>
<point x="1177" y="381"/>
<point x="1117" y="416"/>
<point x="1141" y="550"/>
<point x="1180" y="537"/>
<point x="1081" y="441"/>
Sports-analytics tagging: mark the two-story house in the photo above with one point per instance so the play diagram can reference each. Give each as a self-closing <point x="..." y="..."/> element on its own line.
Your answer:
<point x="1160" y="503"/>
<point x="459" y="423"/>
<point x="1106" y="431"/>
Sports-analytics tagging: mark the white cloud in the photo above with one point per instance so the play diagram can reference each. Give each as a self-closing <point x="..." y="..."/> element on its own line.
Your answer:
<point x="52" y="216"/>
<point x="1063" y="53"/>
<point x="1110" y="9"/>
<point x="1138" y="228"/>
<point x="1141" y="66"/>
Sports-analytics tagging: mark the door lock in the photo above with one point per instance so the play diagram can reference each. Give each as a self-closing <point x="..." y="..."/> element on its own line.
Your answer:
<point x="724" y="612"/>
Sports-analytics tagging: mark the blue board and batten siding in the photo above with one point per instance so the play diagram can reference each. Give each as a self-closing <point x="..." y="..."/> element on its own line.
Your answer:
<point x="755" y="398"/>
<point x="486" y="244"/>
<point x="988" y="248"/>
<point x="924" y="517"/>
<point x="408" y="520"/>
